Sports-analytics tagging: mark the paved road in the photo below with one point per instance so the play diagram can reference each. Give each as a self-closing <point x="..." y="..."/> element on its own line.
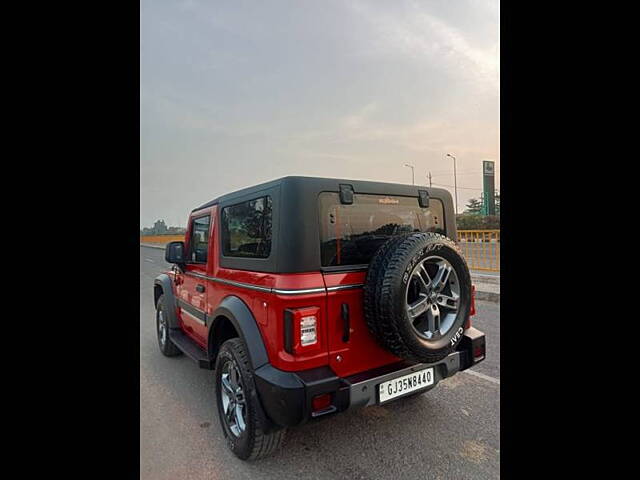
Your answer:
<point x="451" y="432"/>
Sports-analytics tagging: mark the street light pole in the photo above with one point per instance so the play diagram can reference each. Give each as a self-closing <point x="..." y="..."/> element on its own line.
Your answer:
<point x="413" y="181"/>
<point x="455" y="181"/>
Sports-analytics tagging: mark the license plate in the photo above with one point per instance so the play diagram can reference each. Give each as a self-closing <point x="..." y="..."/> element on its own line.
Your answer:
<point x="405" y="384"/>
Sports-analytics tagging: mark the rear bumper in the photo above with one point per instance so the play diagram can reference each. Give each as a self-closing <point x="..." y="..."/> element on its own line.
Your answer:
<point x="286" y="397"/>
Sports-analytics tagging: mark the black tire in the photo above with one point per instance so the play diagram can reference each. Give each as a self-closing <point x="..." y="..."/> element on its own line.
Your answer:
<point x="378" y="263"/>
<point x="252" y="443"/>
<point x="385" y="296"/>
<point x="167" y="347"/>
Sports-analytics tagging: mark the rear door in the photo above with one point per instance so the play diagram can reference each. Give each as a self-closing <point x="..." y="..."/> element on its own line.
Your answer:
<point x="350" y="236"/>
<point x="192" y="294"/>
<point x="352" y="348"/>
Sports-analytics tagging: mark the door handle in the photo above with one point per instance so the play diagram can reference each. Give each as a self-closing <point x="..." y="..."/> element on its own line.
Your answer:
<point x="200" y="288"/>
<point x="346" y="327"/>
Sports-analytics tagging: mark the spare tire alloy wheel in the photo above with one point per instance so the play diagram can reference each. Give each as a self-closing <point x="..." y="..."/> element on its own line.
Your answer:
<point x="432" y="296"/>
<point x="417" y="296"/>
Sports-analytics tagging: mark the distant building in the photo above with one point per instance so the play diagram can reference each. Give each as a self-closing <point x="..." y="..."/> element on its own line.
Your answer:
<point x="160" y="228"/>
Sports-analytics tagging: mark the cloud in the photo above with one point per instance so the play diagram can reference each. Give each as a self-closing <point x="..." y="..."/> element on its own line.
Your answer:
<point x="422" y="36"/>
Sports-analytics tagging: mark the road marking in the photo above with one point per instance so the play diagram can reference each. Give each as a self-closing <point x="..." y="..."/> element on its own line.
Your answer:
<point x="482" y="375"/>
<point x="149" y="260"/>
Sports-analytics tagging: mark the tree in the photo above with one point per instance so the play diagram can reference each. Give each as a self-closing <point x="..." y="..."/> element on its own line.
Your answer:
<point x="474" y="207"/>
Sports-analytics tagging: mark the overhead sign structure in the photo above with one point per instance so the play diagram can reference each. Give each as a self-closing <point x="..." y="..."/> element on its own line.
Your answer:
<point x="489" y="188"/>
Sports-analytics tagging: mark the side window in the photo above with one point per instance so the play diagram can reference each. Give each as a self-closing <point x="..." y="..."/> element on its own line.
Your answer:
<point x="246" y="229"/>
<point x="199" y="241"/>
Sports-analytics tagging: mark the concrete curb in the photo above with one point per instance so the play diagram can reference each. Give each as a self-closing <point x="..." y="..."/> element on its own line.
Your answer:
<point x="487" y="286"/>
<point x="484" y="278"/>
<point x="487" y="296"/>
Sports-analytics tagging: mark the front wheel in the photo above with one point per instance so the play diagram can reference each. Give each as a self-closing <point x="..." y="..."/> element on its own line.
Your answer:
<point x="237" y="399"/>
<point x="162" y="327"/>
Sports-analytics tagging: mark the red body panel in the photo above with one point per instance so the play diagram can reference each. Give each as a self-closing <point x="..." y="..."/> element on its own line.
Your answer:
<point x="268" y="310"/>
<point x="361" y="352"/>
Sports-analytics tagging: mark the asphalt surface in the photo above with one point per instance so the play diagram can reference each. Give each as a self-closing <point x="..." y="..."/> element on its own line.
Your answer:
<point x="451" y="432"/>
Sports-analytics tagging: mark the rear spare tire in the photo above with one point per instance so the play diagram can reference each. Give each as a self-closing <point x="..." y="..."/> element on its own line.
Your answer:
<point x="417" y="296"/>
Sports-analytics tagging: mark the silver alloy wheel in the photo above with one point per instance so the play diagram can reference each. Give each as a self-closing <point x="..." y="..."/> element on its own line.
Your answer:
<point x="233" y="399"/>
<point x="432" y="297"/>
<point x="162" y="328"/>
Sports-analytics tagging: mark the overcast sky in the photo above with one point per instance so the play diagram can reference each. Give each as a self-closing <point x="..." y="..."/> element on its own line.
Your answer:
<point x="234" y="93"/>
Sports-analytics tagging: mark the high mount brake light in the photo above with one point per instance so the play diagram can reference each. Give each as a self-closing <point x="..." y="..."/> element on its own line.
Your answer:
<point x="301" y="329"/>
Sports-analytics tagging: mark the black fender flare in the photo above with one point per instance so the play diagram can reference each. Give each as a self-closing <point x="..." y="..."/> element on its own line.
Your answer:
<point x="169" y="300"/>
<point x="239" y="314"/>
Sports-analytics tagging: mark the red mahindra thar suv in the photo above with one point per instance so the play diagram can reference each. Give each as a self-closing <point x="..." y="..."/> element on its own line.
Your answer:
<point x="308" y="296"/>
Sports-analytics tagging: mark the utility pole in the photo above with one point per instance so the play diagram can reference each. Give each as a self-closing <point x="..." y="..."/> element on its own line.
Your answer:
<point x="413" y="181"/>
<point x="429" y="179"/>
<point x="455" y="181"/>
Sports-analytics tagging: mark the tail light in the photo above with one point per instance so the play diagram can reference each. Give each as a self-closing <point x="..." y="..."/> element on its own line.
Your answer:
<point x="301" y="329"/>
<point x="473" y="301"/>
<point x="472" y="308"/>
<point x="308" y="330"/>
<point x="479" y="352"/>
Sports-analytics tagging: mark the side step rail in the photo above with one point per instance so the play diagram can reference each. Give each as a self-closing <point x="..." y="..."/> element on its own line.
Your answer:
<point x="190" y="348"/>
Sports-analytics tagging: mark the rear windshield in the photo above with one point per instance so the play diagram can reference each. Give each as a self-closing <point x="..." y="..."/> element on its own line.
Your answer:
<point x="351" y="234"/>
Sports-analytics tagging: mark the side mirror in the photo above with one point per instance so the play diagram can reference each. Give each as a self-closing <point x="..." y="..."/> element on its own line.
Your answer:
<point x="174" y="253"/>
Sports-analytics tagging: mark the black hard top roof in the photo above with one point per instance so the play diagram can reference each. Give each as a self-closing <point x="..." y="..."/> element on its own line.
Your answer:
<point x="320" y="184"/>
<point x="295" y="245"/>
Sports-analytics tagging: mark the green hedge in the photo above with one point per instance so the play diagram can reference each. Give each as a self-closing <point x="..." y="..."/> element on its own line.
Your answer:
<point x="477" y="222"/>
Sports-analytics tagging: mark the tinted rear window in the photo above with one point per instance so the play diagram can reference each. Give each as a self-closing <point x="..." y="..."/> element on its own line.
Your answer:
<point x="351" y="234"/>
